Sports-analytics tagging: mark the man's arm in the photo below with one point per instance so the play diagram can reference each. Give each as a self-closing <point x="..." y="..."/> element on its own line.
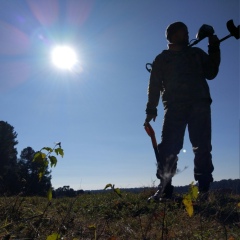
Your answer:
<point x="211" y="65"/>
<point x="154" y="88"/>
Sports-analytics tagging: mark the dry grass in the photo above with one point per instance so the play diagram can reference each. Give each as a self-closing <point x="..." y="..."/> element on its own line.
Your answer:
<point x="107" y="216"/>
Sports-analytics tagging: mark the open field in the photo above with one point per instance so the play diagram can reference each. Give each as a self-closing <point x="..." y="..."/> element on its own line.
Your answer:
<point x="109" y="216"/>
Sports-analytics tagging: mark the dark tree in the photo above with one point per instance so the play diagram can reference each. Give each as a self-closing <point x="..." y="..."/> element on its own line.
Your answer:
<point x="65" y="191"/>
<point x="8" y="152"/>
<point x="28" y="171"/>
<point x="8" y="159"/>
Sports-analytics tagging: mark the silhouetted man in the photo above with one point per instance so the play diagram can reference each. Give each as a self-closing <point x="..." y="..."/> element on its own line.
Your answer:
<point x="179" y="76"/>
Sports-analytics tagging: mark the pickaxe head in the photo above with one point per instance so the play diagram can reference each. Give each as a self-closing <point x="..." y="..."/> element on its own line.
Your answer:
<point x="234" y="31"/>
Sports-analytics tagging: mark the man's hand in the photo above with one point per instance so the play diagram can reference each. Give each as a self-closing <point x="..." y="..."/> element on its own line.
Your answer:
<point x="213" y="40"/>
<point x="149" y="118"/>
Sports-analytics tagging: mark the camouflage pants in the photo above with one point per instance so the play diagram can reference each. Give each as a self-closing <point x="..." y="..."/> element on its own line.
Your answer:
<point x="178" y="116"/>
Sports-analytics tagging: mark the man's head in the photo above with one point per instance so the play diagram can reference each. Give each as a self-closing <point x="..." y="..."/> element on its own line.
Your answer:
<point x="177" y="33"/>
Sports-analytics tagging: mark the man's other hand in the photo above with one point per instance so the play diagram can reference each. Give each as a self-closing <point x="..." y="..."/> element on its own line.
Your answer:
<point x="149" y="118"/>
<point x="213" y="40"/>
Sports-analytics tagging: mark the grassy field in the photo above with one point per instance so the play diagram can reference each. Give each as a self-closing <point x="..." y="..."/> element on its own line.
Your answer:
<point x="109" y="216"/>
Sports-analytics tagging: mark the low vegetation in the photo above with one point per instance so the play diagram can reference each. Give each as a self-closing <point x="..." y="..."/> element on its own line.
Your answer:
<point x="116" y="214"/>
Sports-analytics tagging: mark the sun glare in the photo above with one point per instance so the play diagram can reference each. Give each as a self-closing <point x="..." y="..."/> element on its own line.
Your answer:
<point x="64" y="57"/>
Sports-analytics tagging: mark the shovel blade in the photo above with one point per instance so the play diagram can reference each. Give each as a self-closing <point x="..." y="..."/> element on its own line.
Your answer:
<point x="234" y="31"/>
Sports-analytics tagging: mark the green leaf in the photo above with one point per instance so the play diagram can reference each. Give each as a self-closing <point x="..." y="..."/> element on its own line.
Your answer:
<point x="188" y="205"/>
<point x="92" y="227"/>
<point x="40" y="175"/>
<point x="41" y="157"/>
<point x="53" y="161"/>
<point x="59" y="151"/>
<point x="49" y="194"/>
<point x="108" y="185"/>
<point x="47" y="149"/>
<point x="38" y="157"/>
<point x="189" y="197"/>
<point x="194" y="192"/>
<point x="45" y="163"/>
<point x="118" y="192"/>
<point x="54" y="236"/>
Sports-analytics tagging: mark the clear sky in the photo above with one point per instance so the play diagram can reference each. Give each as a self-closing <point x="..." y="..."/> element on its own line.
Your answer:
<point x="97" y="110"/>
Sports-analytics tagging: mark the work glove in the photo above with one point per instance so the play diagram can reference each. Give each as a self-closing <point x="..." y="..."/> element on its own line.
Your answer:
<point x="213" y="40"/>
<point x="149" y="118"/>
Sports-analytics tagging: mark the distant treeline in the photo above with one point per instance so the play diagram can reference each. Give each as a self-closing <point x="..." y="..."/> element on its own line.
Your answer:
<point x="229" y="186"/>
<point x="232" y="185"/>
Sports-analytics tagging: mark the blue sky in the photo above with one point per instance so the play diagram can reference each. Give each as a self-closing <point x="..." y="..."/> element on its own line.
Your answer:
<point x="97" y="111"/>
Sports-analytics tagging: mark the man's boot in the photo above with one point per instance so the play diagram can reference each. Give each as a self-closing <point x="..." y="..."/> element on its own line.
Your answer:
<point x="164" y="192"/>
<point x="204" y="182"/>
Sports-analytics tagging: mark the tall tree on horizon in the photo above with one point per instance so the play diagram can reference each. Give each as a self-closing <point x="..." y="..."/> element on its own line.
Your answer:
<point x="8" y="159"/>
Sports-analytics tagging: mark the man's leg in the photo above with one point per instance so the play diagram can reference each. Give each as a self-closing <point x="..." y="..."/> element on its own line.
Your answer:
<point x="173" y="129"/>
<point x="199" y="127"/>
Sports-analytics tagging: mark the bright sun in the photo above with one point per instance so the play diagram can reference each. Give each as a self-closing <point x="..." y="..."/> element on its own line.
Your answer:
<point x="64" y="57"/>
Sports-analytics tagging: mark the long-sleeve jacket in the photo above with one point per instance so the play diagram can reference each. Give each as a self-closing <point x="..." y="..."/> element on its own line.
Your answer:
<point x="180" y="76"/>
